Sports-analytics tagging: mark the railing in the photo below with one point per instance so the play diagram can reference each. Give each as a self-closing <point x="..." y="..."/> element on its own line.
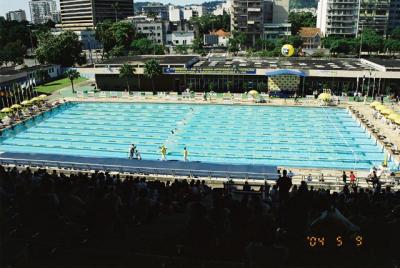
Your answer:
<point x="140" y="170"/>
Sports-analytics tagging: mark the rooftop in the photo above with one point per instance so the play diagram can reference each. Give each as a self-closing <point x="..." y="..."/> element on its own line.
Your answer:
<point x="220" y="33"/>
<point x="302" y="63"/>
<point x="389" y="64"/>
<point x="286" y="63"/>
<point x="162" y="59"/>
<point x="309" y="31"/>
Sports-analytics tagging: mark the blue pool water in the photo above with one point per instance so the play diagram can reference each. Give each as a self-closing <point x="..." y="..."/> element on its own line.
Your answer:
<point x="284" y="136"/>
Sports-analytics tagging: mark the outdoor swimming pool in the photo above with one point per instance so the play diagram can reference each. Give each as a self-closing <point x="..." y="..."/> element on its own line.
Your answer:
<point x="269" y="135"/>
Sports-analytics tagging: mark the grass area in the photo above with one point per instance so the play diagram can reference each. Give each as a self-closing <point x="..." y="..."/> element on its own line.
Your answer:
<point x="50" y="87"/>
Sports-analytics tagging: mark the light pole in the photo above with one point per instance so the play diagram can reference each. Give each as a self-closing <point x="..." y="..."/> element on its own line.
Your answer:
<point x="361" y="40"/>
<point x="30" y="37"/>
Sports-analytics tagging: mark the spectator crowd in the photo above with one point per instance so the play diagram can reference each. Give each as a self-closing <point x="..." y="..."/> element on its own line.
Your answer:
<point x="45" y="213"/>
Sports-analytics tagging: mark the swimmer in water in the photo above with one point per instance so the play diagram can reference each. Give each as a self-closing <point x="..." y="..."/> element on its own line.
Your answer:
<point x="172" y="132"/>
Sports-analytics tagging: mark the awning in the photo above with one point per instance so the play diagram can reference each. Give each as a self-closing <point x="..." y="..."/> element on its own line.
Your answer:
<point x="285" y="72"/>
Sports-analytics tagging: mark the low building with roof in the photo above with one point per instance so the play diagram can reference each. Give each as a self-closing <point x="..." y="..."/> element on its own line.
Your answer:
<point x="311" y="37"/>
<point x="240" y="74"/>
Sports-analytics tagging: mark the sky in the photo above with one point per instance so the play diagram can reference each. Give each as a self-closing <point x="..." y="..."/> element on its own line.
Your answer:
<point x="7" y="5"/>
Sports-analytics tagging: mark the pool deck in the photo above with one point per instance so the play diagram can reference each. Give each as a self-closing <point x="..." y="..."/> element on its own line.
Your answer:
<point x="157" y="99"/>
<point x="173" y="167"/>
<point x="392" y="136"/>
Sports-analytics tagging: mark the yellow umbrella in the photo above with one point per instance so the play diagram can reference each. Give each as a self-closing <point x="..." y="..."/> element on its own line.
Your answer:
<point x="43" y="96"/>
<point x="375" y="103"/>
<point x="253" y="93"/>
<point x="35" y="99"/>
<point x="393" y="116"/>
<point x="397" y="121"/>
<point x="16" y="106"/>
<point x="26" y="102"/>
<point x="387" y="111"/>
<point x="380" y="107"/>
<point x="6" y="110"/>
<point x="325" y="97"/>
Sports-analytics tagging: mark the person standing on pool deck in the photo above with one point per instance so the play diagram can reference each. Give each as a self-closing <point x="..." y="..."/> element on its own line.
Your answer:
<point x="132" y="150"/>
<point x="163" y="151"/>
<point x="185" y="154"/>
<point x="344" y="177"/>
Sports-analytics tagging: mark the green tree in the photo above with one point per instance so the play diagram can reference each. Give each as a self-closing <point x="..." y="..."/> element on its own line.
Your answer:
<point x="371" y="41"/>
<point x="342" y="46"/>
<point x="210" y="22"/>
<point x="14" y="52"/>
<point x="301" y="19"/>
<point x="392" y="46"/>
<point x="295" y="41"/>
<point x="197" y="45"/>
<point x="152" y="68"/>
<point x="181" y="49"/>
<point x="236" y="41"/>
<point x="115" y="37"/>
<point x="141" y="46"/>
<point x="265" y="44"/>
<point x="64" y="49"/>
<point x="105" y="36"/>
<point x="123" y="32"/>
<point x="145" y="46"/>
<point x="72" y="74"/>
<point x="127" y="71"/>
<point x="395" y="34"/>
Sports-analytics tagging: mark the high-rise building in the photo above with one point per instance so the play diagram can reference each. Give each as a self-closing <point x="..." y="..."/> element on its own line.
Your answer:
<point x="224" y="7"/>
<point x="276" y="15"/>
<point x="350" y="17"/>
<point x="394" y="15"/>
<point x="18" y="15"/>
<point x="157" y="9"/>
<point x="338" y="17"/>
<point x="43" y="11"/>
<point x="83" y="14"/>
<point x="175" y="13"/>
<point x="374" y="14"/>
<point x="247" y="18"/>
<point x="261" y="19"/>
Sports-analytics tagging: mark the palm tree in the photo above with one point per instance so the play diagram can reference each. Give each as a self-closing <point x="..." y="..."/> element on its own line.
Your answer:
<point x="115" y="6"/>
<point x="127" y="71"/>
<point x="72" y="75"/>
<point x="151" y="69"/>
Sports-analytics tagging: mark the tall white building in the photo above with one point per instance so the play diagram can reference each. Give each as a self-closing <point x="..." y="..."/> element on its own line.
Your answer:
<point x="186" y="13"/>
<point x="18" y="15"/>
<point x="43" y="11"/>
<point x="198" y="10"/>
<point x="224" y="7"/>
<point x="175" y="13"/>
<point x="350" y="17"/>
<point x="338" y="17"/>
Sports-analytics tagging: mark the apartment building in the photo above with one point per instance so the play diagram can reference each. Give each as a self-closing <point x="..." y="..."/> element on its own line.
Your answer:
<point x="83" y="14"/>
